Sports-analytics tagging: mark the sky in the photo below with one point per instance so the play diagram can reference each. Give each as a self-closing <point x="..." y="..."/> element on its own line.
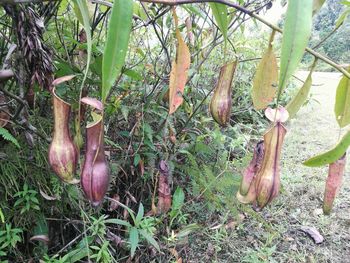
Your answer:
<point x="274" y="13"/>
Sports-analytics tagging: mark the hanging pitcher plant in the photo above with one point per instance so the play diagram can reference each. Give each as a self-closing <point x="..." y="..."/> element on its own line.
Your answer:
<point x="63" y="155"/>
<point x="261" y="179"/>
<point x="95" y="172"/>
<point x="221" y="102"/>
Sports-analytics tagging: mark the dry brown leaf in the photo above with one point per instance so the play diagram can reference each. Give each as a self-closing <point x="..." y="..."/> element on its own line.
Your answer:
<point x="42" y="238"/>
<point x="114" y="205"/>
<point x="46" y="196"/>
<point x="313" y="233"/>
<point x="179" y="71"/>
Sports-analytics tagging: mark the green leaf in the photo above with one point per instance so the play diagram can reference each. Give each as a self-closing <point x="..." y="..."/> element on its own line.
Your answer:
<point x="137" y="159"/>
<point x="134" y="240"/>
<point x="332" y="155"/>
<point x="187" y="230"/>
<point x="119" y="29"/>
<point x="2" y="217"/>
<point x="131" y="213"/>
<point x="342" y="18"/>
<point x="133" y="74"/>
<point x="8" y="136"/>
<point x="178" y="199"/>
<point x="300" y="98"/>
<point x="342" y="102"/>
<point x="140" y="213"/>
<point x="220" y="14"/>
<point x="118" y="222"/>
<point x="84" y="11"/>
<point x="296" y="34"/>
<point x="149" y="239"/>
<point x="77" y="254"/>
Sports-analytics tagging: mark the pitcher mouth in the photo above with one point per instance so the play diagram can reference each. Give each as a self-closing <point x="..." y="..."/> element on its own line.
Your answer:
<point x="58" y="98"/>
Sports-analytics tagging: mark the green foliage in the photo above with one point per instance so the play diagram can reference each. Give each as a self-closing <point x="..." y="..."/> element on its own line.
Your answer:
<point x="220" y="14"/>
<point x="332" y="16"/>
<point x="301" y="97"/>
<point x="116" y="45"/>
<point x="84" y="11"/>
<point x="8" y="137"/>
<point x="342" y="100"/>
<point x="332" y="155"/>
<point x="142" y="226"/>
<point x="9" y="237"/>
<point x="296" y="34"/>
<point x="27" y="199"/>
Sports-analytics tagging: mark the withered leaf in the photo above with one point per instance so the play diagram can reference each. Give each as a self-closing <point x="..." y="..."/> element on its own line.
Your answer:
<point x="42" y="238"/>
<point x="265" y="80"/>
<point x="179" y="71"/>
<point x="46" y="196"/>
<point x="313" y="233"/>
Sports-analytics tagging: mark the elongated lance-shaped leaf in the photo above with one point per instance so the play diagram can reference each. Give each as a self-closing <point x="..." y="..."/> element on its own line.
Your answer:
<point x="342" y="102"/>
<point x="220" y="15"/>
<point x="333" y="183"/>
<point x="265" y="79"/>
<point x="332" y="155"/>
<point x="300" y="98"/>
<point x="179" y="71"/>
<point x="84" y="11"/>
<point x="116" y="47"/>
<point x="296" y="34"/>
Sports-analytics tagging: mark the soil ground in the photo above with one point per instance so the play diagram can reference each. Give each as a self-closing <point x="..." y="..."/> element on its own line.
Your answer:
<point x="274" y="234"/>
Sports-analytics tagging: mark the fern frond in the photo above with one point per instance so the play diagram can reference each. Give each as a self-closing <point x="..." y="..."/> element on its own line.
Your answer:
<point x="8" y="137"/>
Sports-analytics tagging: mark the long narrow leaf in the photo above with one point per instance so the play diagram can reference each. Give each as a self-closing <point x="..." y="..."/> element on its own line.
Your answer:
<point x="84" y="11"/>
<point x="332" y="155"/>
<point x="149" y="239"/>
<point x="116" y="47"/>
<point x="296" y="34"/>
<point x="342" y="102"/>
<point x="220" y="14"/>
<point x="134" y="240"/>
<point x="179" y="71"/>
<point x="118" y="222"/>
<point x="300" y="98"/>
